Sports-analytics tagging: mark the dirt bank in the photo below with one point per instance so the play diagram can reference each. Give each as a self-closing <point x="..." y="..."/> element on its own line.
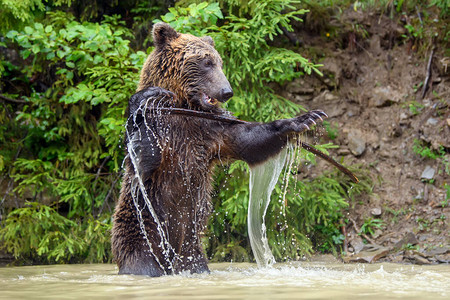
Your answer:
<point x="372" y="90"/>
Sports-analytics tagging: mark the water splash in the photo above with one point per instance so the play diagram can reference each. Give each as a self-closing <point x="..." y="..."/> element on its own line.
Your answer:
<point x="263" y="178"/>
<point x="138" y="191"/>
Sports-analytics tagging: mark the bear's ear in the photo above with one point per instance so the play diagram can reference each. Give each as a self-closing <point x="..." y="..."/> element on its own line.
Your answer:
<point x="162" y="34"/>
<point x="209" y="40"/>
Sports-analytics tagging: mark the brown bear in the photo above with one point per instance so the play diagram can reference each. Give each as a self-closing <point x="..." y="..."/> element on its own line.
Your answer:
<point x="165" y="197"/>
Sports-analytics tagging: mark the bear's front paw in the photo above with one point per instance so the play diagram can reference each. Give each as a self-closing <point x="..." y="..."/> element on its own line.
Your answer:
<point x="301" y="123"/>
<point x="152" y="94"/>
<point x="305" y="121"/>
<point x="155" y="92"/>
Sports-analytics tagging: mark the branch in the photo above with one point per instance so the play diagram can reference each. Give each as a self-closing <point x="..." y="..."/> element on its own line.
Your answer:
<point x="119" y="175"/>
<point x="199" y="114"/>
<point x="329" y="159"/>
<point x="359" y="231"/>
<point x="4" y="98"/>
<point x="427" y="78"/>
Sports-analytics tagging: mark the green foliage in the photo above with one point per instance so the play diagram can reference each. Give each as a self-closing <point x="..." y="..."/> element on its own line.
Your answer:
<point x="77" y="122"/>
<point x="443" y="5"/>
<point x="332" y="238"/>
<point x="194" y="18"/>
<point x="14" y="13"/>
<point x="230" y="252"/>
<point x="420" y="148"/>
<point x="415" y="108"/>
<point x="447" y="195"/>
<point x="423" y="151"/>
<point x="69" y="135"/>
<point x="39" y="233"/>
<point x="410" y="247"/>
<point x="332" y="130"/>
<point x="371" y="224"/>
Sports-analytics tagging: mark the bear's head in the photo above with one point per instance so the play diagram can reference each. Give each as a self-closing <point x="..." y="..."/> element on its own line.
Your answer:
<point x="188" y="66"/>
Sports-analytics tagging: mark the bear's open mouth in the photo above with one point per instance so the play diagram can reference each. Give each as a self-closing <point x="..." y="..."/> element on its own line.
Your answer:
<point x="209" y="100"/>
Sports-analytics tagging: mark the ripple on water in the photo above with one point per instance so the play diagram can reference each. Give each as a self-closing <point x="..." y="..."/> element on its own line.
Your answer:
<point x="231" y="281"/>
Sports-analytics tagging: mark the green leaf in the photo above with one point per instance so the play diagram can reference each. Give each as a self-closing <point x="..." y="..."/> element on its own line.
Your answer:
<point x="48" y="28"/>
<point x="98" y="59"/>
<point x="60" y="53"/>
<point x="35" y="48"/>
<point x="50" y="55"/>
<point x="39" y="26"/>
<point x="28" y="30"/>
<point x="11" y="34"/>
<point x="25" y="53"/>
<point x="169" y="17"/>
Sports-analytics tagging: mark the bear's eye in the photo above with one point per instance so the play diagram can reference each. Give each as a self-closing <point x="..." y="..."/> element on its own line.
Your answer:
<point x="209" y="63"/>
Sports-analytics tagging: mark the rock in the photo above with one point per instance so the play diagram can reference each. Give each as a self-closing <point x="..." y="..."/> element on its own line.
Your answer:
<point x="417" y="259"/>
<point x="376" y="211"/>
<point x="409" y="238"/>
<point x="377" y="233"/>
<point x="335" y="111"/>
<point x="423" y="237"/>
<point x="356" y="143"/>
<point x="428" y="173"/>
<point x="302" y="99"/>
<point x="371" y="254"/>
<point x="385" y="153"/>
<point x="357" y="244"/>
<point x="331" y="97"/>
<point x="330" y="103"/>
<point x="375" y="45"/>
<point x="396" y="257"/>
<point x="437" y="251"/>
<point x="325" y="96"/>
<point x="343" y="151"/>
<point x="332" y="72"/>
<point x="432" y="121"/>
<point x="299" y="87"/>
<point x="443" y="258"/>
<point x="384" y="96"/>
<point x="437" y="135"/>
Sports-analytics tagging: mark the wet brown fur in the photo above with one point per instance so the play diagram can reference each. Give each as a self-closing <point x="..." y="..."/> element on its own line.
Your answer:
<point x="177" y="174"/>
<point x="185" y="215"/>
<point x="174" y="67"/>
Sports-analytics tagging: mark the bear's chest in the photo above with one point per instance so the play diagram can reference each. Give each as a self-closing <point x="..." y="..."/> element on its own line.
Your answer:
<point x="190" y="144"/>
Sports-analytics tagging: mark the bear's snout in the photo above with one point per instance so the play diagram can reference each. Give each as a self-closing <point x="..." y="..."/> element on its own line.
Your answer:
<point x="225" y="94"/>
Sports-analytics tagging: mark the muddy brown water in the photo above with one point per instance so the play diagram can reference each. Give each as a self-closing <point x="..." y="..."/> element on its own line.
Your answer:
<point x="297" y="280"/>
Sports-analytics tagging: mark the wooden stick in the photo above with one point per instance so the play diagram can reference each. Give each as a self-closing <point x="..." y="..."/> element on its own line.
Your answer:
<point x="228" y="119"/>
<point x="200" y="114"/>
<point x="427" y="78"/>
<point x="358" y="231"/>
<point x="329" y="159"/>
<point x="4" y="98"/>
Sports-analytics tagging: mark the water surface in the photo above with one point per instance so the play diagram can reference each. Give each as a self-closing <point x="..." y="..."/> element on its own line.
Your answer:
<point x="297" y="280"/>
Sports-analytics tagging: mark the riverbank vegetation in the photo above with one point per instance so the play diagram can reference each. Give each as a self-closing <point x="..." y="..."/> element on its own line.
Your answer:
<point x="67" y="71"/>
